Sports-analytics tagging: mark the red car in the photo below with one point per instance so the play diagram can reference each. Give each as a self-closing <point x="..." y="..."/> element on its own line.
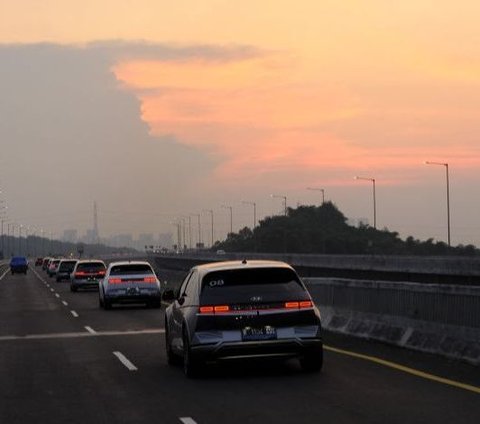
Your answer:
<point x="39" y="262"/>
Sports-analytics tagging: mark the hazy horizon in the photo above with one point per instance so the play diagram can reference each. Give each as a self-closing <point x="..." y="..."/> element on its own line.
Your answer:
<point x="159" y="112"/>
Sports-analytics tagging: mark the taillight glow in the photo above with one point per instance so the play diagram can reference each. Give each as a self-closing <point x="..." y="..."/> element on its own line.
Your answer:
<point x="299" y="305"/>
<point x="80" y="274"/>
<point x="114" y="280"/>
<point x="101" y="272"/>
<point x="214" y="309"/>
<point x="149" y="280"/>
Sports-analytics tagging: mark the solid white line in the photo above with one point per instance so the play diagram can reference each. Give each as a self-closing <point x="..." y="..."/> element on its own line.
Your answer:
<point x="56" y="294"/>
<point x="5" y="273"/>
<point x="83" y="334"/>
<point x="74" y="314"/>
<point x="125" y="361"/>
<point x="187" y="420"/>
<point x="90" y="330"/>
<point x="65" y="303"/>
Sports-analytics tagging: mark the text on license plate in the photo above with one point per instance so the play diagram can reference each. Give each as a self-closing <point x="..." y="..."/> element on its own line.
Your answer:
<point x="264" y="333"/>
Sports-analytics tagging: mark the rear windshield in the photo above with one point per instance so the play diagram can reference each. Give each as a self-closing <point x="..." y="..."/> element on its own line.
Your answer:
<point x="247" y="285"/>
<point x="131" y="269"/>
<point x="55" y="262"/>
<point x="18" y="260"/>
<point x="67" y="266"/>
<point x="91" y="267"/>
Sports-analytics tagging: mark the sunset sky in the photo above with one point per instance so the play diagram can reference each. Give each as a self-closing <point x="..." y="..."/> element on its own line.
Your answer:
<point x="161" y="109"/>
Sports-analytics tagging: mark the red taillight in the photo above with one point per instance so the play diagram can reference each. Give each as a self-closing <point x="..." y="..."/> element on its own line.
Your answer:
<point x="114" y="280"/>
<point x="299" y="305"/>
<point x="214" y="309"/>
<point x="80" y="274"/>
<point x="149" y="280"/>
<point x="101" y="272"/>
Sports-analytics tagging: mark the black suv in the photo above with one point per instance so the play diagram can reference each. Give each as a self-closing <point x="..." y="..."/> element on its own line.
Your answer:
<point x="242" y="310"/>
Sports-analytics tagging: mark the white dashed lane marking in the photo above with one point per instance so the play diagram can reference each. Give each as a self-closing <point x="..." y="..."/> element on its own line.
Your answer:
<point x="187" y="420"/>
<point x="57" y="295"/>
<point x="74" y="313"/>
<point x="65" y="303"/>
<point x="90" y="330"/>
<point x="123" y="359"/>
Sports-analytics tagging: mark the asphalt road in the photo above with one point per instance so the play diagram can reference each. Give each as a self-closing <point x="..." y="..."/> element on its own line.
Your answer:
<point x="64" y="360"/>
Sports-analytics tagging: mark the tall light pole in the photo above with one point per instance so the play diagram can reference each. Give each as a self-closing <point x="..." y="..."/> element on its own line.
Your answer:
<point x="374" y="199"/>
<point x="284" y="201"/>
<point x="318" y="189"/>
<point x="210" y="211"/>
<point x="231" y="216"/>
<point x="448" y="194"/>
<point x="254" y="211"/>
<point x="199" y="229"/>
<point x="189" y="230"/>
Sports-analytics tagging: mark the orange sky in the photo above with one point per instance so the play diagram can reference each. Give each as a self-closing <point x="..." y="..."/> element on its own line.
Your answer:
<point x="342" y="87"/>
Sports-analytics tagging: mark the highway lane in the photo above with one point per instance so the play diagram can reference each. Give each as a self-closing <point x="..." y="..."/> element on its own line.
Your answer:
<point x="77" y="377"/>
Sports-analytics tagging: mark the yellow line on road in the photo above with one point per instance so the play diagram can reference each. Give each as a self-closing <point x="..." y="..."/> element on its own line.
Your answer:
<point x="405" y="369"/>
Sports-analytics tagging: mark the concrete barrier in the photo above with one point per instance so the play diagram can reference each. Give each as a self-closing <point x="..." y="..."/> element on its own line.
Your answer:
<point x="443" y="320"/>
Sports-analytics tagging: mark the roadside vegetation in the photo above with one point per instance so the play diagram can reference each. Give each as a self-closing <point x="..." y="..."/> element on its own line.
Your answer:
<point x="324" y="229"/>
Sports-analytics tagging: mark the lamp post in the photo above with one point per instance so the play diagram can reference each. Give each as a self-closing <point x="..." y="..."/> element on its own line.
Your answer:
<point x="231" y="216"/>
<point x="318" y="189"/>
<point x="254" y="211"/>
<point x="448" y="194"/>
<point x="210" y="211"/>
<point x="20" y="239"/>
<point x="374" y="199"/>
<point x="199" y="229"/>
<point x="284" y="201"/>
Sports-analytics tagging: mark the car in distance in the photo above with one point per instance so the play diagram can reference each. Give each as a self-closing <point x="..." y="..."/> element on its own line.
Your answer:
<point x="38" y="262"/>
<point x="18" y="265"/>
<point x="45" y="263"/>
<point x="65" y="268"/>
<point x="87" y="274"/>
<point x="242" y="310"/>
<point x="129" y="282"/>
<point x="52" y="267"/>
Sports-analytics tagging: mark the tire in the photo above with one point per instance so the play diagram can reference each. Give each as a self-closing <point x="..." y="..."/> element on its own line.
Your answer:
<point x="172" y="359"/>
<point x="58" y="280"/>
<point x="73" y="288"/>
<point x="191" y="366"/>
<point x="312" y="361"/>
<point x="107" y="304"/>
<point x="155" y="304"/>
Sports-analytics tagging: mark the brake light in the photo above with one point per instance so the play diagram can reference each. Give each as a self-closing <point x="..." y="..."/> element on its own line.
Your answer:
<point x="80" y="274"/>
<point x="114" y="280"/>
<point x="214" y="309"/>
<point x="299" y="305"/>
<point x="149" y="280"/>
<point x="101" y="272"/>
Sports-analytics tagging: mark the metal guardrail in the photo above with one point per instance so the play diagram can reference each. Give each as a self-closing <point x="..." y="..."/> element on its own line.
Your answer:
<point x="451" y="305"/>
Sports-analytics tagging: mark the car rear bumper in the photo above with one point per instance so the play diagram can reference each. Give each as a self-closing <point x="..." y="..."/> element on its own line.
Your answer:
<point x="84" y="284"/>
<point x="132" y="299"/>
<point x="251" y="350"/>
<point x="18" y="268"/>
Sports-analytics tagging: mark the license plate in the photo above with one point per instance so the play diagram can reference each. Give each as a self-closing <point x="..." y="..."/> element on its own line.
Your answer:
<point x="264" y="333"/>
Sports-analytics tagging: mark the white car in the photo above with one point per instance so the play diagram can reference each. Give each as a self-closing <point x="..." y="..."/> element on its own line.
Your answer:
<point x="130" y="282"/>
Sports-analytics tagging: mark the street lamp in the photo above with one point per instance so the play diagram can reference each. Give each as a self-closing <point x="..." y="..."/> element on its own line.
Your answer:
<point x="284" y="201"/>
<point x="448" y="194"/>
<point x="199" y="229"/>
<point x="254" y="211"/>
<point x="374" y="199"/>
<point x="318" y="189"/>
<point x="210" y="211"/>
<point x="231" y="216"/>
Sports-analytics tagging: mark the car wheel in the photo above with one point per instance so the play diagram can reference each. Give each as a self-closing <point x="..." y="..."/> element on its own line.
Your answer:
<point x="191" y="366"/>
<point x="107" y="304"/>
<point x="312" y="361"/>
<point x="58" y="279"/>
<point x="73" y="288"/>
<point x="172" y="359"/>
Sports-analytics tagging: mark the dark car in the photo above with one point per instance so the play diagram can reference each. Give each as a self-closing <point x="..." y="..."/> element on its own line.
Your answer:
<point x="65" y="268"/>
<point x="38" y="262"/>
<point x="87" y="274"/>
<point x="45" y="263"/>
<point x="130" y="283"/>
<point x="242" y="310"/>
<point x="18" y="265"/>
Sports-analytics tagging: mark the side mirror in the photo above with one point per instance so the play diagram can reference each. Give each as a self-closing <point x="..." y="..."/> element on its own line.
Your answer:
<point x="168" y="295"/>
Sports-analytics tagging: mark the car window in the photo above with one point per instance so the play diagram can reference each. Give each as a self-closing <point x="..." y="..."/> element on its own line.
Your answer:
<point x="241" y="285"/>
<point x="131" y="269"/>
<point x="184" y="283"/>
<point x="190" y="288"/>
<point x="91" y="267"/>
<point x="67" y="266"/>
